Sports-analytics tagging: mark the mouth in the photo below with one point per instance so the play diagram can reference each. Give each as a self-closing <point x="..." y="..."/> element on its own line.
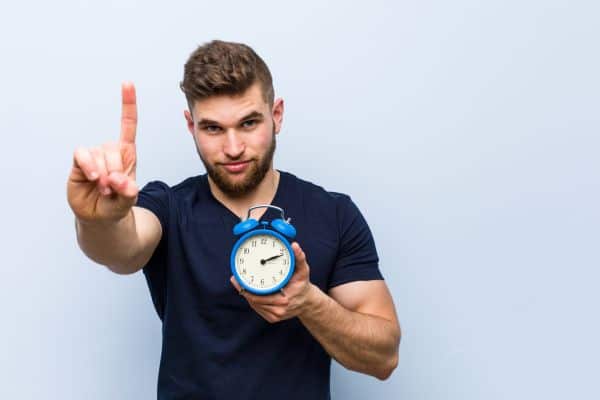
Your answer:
<point x="236" y="167"/>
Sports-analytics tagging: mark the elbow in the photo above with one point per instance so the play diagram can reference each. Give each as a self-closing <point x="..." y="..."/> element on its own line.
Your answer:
<point x="392" y="362"/>
<point x="124" y="268"/>
<point x="119" y="267"/>
<point x="388" y="368"/>
<point x="130" y="265"/>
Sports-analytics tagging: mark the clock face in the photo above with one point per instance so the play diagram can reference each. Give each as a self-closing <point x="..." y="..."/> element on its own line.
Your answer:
<point x="262" y="261"/>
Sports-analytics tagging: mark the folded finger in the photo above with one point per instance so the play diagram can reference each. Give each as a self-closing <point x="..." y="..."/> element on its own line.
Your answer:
<point x="268" y="300"/>
<point x="123" y="185"/>
<point x="273" y="300"/>
<point x="82" y="159"/>
<point x="264" y="313"/>
<point x="103" y="185"/>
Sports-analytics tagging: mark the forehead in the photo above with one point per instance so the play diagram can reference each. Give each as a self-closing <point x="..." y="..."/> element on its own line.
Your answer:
<point x="228" y="109"/>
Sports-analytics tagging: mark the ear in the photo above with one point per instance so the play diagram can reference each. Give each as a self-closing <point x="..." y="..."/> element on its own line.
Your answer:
<point x="278" y="114"/>
<point x="190" y="121"/>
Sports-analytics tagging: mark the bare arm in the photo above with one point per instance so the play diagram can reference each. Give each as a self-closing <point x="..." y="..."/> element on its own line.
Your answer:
<point x="357" y="326"/>
<point x="355" y="323"/>
<point x="124" y="246"/>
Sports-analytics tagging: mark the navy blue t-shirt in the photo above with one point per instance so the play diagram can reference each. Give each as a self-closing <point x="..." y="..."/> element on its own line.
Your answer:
<point x="214" y="345"/>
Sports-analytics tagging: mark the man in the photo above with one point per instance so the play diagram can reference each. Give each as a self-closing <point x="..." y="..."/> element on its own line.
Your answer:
<point x="220" y="342"/>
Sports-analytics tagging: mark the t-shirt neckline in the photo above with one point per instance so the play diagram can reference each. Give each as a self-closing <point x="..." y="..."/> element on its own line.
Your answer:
<point x="227" y="213"/>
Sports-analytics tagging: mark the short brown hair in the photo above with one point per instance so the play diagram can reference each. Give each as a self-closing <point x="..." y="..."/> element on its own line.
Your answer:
<point x="219" y="67"/>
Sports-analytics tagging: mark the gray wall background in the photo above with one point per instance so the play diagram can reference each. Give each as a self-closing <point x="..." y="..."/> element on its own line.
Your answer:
<point x="466" y="131"/>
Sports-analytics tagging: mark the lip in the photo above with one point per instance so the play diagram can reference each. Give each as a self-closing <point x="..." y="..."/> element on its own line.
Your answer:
<point x="236" y="166"/>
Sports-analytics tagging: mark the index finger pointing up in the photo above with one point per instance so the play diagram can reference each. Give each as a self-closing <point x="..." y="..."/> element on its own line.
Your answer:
<point x="128" y="113"/>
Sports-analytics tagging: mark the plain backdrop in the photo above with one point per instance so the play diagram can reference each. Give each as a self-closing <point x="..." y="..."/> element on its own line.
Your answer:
<point x="467" y="132"/>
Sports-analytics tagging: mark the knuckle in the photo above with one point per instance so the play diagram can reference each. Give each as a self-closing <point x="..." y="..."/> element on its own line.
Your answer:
<point x="79" y="151"/>
<point x="96" y="152"/>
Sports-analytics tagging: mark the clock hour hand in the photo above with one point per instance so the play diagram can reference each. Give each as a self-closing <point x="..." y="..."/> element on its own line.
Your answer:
<point x="262" y="262"/>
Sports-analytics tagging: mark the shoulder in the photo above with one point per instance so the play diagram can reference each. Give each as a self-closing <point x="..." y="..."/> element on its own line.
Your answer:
<point x="187" y="186"/>
<point x="179" y="190"/>
<point x="317" y="193"/>
<point x="321" y="202"/>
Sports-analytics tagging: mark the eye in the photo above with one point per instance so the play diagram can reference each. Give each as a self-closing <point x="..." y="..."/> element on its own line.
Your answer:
<point x="249" y="123"/>
<point x="212" y="128"/>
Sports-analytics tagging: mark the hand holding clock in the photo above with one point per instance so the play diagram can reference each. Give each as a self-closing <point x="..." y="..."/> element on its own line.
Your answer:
<point x="294" y="298"/>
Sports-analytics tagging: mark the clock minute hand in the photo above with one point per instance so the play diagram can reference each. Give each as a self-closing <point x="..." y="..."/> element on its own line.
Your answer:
<point x="270" y="258"/>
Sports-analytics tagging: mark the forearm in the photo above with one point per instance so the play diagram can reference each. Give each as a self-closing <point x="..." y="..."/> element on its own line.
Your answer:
<point x="112" y="244"/>
<point x="360" y="342"/>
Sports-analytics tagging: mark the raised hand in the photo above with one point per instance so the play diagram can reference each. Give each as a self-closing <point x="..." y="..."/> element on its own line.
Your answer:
<point x="101" y="185"/>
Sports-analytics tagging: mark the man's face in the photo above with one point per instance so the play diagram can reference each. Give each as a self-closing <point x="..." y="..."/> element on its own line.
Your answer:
<point x="235" y="138"/>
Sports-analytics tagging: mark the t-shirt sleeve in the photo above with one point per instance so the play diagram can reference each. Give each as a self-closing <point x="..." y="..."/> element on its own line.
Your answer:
<point x="357" y="258"/>
<point x="154" y="196"/>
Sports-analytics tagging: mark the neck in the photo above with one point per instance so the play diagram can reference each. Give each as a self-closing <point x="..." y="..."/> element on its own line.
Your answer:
<point x="262" y="194"/>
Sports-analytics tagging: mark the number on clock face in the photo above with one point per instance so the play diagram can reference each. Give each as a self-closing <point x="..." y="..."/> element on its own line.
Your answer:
<point x="262" y="261"/>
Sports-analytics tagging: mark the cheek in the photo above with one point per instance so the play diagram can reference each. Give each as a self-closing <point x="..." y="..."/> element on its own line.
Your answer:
<point x="206" y="146"/>
<point x="263" y="140"/>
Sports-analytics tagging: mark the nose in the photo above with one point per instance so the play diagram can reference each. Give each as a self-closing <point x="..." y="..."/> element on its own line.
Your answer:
<point x="234" y="145"/>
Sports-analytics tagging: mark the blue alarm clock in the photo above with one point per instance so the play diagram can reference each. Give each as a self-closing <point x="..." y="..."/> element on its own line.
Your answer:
<point x="262" y="259"/>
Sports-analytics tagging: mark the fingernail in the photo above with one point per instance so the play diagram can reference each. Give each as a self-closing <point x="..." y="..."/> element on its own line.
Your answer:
<point x="106" y="191"/>
<point x="94" y="175"/>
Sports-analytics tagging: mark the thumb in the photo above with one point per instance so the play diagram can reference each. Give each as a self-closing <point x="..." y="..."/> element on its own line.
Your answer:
<point x="301" y="263"/>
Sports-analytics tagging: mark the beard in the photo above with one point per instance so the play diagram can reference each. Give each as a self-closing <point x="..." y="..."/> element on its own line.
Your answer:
<point x="255" y="174"/>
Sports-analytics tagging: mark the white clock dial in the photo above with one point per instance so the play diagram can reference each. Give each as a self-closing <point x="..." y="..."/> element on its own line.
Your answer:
<point x="262" y="261"/>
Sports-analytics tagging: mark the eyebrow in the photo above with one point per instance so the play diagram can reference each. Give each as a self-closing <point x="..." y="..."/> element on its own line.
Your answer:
<point x="253" y="114"/>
